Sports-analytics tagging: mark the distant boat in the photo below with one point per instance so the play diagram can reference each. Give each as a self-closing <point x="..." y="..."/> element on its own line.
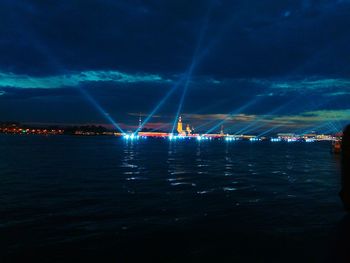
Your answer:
<point x="336" y="147"/>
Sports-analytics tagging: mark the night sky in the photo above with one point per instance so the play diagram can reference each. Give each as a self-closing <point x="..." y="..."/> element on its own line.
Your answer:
<point x="256" y="66"/>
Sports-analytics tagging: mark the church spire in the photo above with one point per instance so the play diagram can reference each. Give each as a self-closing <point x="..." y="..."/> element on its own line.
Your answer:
<point x="140" y="122"/>
<point x="179" y="126"/>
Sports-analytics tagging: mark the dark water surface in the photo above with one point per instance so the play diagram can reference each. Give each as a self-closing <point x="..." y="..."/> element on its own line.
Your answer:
<point x="66" y="199"/>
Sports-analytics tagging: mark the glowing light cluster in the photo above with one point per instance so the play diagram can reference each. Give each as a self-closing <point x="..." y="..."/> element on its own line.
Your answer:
<point x="230" y="139"/>
<point x="201" y="138"/>
<point x="309" y="140"/>
<point x="131" y="137"/>
<point x="254" y="139"/>
<point x="275" y="140"/>
<point x="173" y="137"/>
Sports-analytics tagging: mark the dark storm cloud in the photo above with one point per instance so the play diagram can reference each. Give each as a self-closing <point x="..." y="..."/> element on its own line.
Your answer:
<point x="250" y="38"/>
<point x="75" y="35"/>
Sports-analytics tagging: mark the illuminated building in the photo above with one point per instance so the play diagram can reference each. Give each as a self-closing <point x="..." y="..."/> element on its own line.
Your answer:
<point x="179" y="127"/>
<point x="188" y="129"/>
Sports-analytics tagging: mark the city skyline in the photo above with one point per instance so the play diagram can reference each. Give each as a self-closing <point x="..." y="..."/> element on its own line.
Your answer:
<point x="214" y="62"/>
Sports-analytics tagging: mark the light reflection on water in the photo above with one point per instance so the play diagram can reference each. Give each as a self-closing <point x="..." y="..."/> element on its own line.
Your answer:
<point x="106" y="182"/>
<point x="262" y="172"/>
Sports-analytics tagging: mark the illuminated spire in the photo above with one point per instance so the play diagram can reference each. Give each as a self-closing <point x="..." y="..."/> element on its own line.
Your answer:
<point x="188" y="129"/>
<point x="140" y="122"/>
<point x="179" y="126"/>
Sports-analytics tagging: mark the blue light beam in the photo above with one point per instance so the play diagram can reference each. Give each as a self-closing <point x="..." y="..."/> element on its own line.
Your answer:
<point x="100" y="109"/>
<point x="191" y="69"/>
<point x="237" y="111"/>
<point x="160" y="104"/>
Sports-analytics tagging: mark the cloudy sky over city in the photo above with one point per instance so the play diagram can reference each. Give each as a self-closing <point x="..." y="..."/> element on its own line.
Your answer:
<point x="254" y="66"/>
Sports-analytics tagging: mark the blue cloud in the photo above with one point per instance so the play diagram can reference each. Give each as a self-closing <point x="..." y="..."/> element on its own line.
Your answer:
<point x="75" y="79"/>
<point x="313" y="84"/>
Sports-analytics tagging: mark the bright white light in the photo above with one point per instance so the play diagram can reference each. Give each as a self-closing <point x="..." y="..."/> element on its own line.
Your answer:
<point x="131" y="136"/>
<point x="309" y="140"/>
<point x="199" y="138"/>
<point x="172" y="137"/>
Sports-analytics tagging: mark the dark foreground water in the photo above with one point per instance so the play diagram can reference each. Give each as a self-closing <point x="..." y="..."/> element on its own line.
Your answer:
<point x="69" y="199"/>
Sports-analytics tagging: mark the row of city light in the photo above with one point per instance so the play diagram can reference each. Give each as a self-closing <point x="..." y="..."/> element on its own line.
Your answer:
<point x="131" y="136"/>
<point x="229" y="139"/>
<point x="275" y="140"/>
<point x="173" y="137"/>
